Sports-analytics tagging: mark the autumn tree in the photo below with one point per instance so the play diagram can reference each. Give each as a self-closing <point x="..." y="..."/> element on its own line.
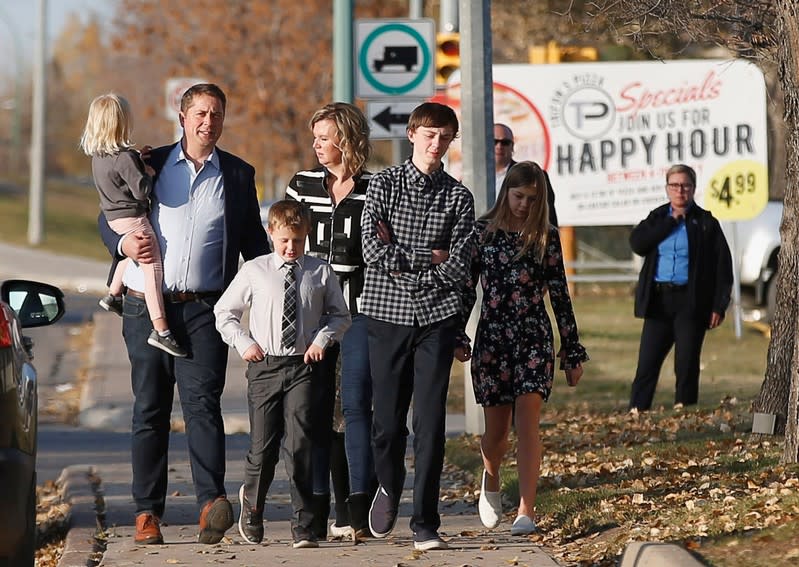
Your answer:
<point x="767" y="32"/>
<point x="273" y="59"/>
<point x="76" y="74"/>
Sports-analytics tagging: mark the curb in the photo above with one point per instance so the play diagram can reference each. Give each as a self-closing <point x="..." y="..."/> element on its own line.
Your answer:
<point x="83" y="492"/>
<point x="657" y="554"/>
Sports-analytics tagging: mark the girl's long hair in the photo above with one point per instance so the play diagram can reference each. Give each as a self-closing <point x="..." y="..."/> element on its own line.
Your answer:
<point x="536" y="227"/>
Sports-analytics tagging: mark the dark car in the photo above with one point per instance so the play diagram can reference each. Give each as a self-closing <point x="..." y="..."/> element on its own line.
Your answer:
<point x="24" y="304"/>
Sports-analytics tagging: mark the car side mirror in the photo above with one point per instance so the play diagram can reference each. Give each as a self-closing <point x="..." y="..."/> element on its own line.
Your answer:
<point x="36" y="304"/>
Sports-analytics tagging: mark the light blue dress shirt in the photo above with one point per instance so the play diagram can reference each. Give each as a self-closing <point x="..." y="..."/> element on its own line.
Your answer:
<point x="188" y="217"/>
<point x="673" y="256"/>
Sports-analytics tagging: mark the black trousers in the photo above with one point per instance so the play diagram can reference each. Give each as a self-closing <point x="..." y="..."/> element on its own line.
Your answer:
<point x="669" y="321"/>
<point x="280" y="401"/>
<point x="411" y="362"/>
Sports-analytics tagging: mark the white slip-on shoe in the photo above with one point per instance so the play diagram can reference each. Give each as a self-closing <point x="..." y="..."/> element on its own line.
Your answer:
<point x="489" y="505"/>
<point x="522" y="525"/>
<point x="345" y="532"/>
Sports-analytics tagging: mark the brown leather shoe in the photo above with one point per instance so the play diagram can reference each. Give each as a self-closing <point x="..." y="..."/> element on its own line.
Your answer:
<point x="215" y="519"/>
<point x="148" y="531"/>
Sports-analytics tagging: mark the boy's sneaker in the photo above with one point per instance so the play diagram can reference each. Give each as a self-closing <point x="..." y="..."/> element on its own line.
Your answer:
<point x="303" y="538"/>
<point x="305" y="543"/>
<point x="251" y="521"/>
<point x="167" y="344"/>
<point x="112" y="303"/>
<point x="427" y="540"/>
<point x="382" y="514"/>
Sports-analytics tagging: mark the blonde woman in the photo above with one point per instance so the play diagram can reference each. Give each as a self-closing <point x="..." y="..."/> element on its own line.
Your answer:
<point x="335" y="193"/>
<point x="517" y="258"/>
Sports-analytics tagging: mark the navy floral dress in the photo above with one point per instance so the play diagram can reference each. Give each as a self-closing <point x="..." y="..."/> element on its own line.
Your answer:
<point x="514" y="346"/>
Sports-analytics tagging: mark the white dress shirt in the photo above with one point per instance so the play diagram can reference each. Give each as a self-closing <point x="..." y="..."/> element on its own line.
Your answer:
<point x="322" y="313"/>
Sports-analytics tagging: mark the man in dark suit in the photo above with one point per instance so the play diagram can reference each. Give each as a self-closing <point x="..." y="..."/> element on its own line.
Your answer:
<point x="503" y="159"/>
<point x="204" y="211"/>
<point x="683" y="289"/>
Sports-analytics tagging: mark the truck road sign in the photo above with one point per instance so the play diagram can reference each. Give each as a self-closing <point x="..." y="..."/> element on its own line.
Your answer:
<point x="395" y="58"/>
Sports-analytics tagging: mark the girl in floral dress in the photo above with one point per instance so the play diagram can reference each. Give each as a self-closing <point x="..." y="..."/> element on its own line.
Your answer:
<point x="518" y="259"/>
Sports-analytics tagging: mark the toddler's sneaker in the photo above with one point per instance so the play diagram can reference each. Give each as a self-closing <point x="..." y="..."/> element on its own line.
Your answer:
<point x="112" y="303"/>
<point x="167" y="344"/>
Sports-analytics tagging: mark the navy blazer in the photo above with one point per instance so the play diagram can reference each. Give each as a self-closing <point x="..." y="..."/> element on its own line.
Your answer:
<point x="244" y="234"/>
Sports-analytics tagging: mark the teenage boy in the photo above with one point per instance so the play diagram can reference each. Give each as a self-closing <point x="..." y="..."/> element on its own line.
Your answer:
<point x="297" y="310"/>
<point x="417" y="235"/>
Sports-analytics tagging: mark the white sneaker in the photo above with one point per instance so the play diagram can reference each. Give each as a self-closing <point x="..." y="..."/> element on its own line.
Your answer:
<point x="489" y="505"/>
<point x="341" y="531"/>
<point x="426" y="540"/>
<point x="522" y="525"/>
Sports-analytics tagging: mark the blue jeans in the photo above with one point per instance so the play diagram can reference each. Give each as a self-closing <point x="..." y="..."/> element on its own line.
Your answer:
<point x="324" y="401"/>
<point x="356" y="404"/>
<point x="200" y="379"/>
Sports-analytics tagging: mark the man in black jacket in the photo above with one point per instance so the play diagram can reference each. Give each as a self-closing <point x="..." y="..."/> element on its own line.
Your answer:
<point x="683" y="289"/>
<point x="204" y="211"/>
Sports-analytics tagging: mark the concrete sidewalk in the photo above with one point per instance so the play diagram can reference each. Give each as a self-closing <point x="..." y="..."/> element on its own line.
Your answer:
<point x="100" y="491"/>
<point x="106" y="407"/>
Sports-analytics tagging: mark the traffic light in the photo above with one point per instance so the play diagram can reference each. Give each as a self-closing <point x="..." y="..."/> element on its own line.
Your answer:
<point x="448" y="55"/>
<point x="575" y="54"/>
<point x="553" y="52"/>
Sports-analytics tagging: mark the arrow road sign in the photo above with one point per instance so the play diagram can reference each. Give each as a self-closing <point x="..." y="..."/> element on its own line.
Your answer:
<point x="388" y="119"/>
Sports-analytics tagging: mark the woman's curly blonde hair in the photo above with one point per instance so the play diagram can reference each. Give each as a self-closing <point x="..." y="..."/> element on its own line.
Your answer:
<point x="352" y="133"/>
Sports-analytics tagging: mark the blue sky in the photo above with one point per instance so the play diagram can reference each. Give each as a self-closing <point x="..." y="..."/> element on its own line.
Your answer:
<point x="23" y="15"/>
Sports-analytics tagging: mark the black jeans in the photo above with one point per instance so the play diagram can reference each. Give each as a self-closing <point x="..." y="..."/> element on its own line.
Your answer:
<point x="280" y="399"/>
<point x="200" y="378"/>
<point x="411" y="362"/>
<point x="669" y="321"/>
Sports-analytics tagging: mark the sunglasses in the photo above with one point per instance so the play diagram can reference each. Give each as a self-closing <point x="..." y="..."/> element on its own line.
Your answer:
<point x="503" y="142"/>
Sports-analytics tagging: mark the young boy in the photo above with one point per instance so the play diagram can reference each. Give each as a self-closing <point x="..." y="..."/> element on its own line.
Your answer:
<point x="296" y="311"/>
<point x="416" y="231"/>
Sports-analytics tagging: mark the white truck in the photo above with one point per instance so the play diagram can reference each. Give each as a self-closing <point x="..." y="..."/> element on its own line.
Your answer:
<point x="755" y="244"/>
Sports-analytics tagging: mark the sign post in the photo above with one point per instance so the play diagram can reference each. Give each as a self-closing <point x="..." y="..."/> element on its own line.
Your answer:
<point x="173" y="92"/>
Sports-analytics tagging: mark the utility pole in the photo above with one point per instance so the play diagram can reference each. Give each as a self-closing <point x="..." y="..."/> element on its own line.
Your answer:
<point x="401" y="148"/>
<point x="342" y="50"/>
<point x="448" y="16"/>
<point x="477" y="120"/>
<point x="36" y="205"/>
<point x="16" y="120"/>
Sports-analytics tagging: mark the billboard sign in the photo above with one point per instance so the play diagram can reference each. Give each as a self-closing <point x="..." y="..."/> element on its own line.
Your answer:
<point x="608" y="132"/>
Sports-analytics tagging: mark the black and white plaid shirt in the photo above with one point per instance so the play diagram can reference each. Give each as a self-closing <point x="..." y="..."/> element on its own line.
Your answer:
<point x="424" y="213"/>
